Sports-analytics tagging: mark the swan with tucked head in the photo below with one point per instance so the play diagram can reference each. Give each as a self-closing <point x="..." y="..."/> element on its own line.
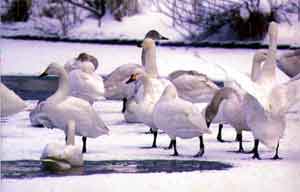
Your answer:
<point x="81" y="58"/>
<point x="179" y="118"/>
<point x="290" y="63"/>
<point x="61" y="108"/>
<point x="58" y="157"/>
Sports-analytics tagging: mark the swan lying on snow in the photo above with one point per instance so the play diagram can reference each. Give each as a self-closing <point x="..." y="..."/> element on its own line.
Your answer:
<point x="61" y="108"/>
<point x="179" y="118"/>
<point x="11" y="103"/>
<point x="115" y="83"/>
<point x="290" y="63"/>
<point x="82" y="57"/>
<point x="59" y="157"/>
<point x="85" y="84"/>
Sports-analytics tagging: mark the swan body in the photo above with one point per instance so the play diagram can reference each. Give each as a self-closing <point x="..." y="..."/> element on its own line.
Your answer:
<point x="11" y="103"/>
<point x="115" y="83"/>
<point x="85" y="84"/>
<point x="61" y="108"/>
<point x="193" y="86"/>
<point x="178" y="117"/>
<point x="290" y="63"/>
<point x="38" y="118"/>
<point x="61" y="157"/>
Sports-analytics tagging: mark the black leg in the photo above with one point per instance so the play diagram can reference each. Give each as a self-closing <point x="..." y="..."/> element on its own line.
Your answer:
<point x="256" y="155"/>
<point x="219" y="137"/>
<point x="237" y="137"/>
<point x="84" y="145"/>
<point x="175" y="148"/>
<point x="124" y="104"/>
<point x="154" y="139"/>
<point x="66" y="138"/>
<point x="201" y="151"/>
<point x="170" y="145"/>
<point x="276" y="157"/>
<point x="240" y="140"/>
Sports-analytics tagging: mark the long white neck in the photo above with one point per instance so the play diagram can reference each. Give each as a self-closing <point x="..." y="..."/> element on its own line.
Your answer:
<point x="63" y="88"/>
<point x="147" y="86"/>
<point x="269" y="68"/>
<point x="149" y="61"/>
<point x="71" y="133"/>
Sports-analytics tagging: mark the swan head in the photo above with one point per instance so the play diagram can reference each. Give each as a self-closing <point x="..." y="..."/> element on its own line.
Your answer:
<point x="155" y="35"/>
<point x="53" y="69"/>
<point x="260" y="56"/>
<point x="135" y="77"/>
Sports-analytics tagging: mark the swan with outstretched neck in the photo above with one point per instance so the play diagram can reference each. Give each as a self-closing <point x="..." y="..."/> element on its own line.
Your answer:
<point x="61" y="108"/>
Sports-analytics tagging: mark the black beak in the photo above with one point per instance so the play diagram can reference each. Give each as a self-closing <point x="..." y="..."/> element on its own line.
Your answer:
<point x="163" y="38"/>
<point x="208" y="123"/>
<point x="139" y="44"/>
<point x="43" y="74"/>
<point x="130" y="80"/>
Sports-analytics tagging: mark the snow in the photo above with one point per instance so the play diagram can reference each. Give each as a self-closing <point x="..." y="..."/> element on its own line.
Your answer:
<point x="20" y="141"/>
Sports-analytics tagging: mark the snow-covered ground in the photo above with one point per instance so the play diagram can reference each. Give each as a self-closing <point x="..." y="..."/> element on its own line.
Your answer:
<point x="20" y="141"/>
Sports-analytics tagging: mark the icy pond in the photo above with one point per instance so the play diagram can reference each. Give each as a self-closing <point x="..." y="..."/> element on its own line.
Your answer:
<point x="123" y="161"/>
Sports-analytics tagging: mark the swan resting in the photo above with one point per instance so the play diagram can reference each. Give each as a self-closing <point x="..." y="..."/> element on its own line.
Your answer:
<point x="85" y="84"/>
<point x="76" y="62"/>
<point x="290" y="63"/>
<point x="11" y="103"/>
<point x="60" y="108"/>
<point x="58" y="157"/>
<point x="179" y="118"/>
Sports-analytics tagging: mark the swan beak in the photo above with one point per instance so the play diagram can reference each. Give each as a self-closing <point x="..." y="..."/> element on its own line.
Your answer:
<point x="140" y="44"/>
<point x="131" y="79"/>
<point x="163" y="38"/>
<point x="208" y="123"/>
<point x="44" y="73"/>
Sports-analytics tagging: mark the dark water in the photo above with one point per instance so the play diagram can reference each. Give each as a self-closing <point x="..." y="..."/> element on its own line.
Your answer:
<point x="36" y="88"/>
<point x="30" y="169"/>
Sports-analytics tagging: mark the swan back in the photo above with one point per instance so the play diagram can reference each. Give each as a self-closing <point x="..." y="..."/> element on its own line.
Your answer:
<point x="11" y="103"/>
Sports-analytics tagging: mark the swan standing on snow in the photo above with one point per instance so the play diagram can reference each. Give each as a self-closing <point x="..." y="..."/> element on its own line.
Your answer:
<point x="61" y="108"/>
<point x="11" y="103"/>
<point x="196" y="88"/>
<point x="154" y="87"/>
<point x="115" y="83"/>
<point x="290" y="63"/>
<point x="179" y="118"/>
<point x="60" y="157"/>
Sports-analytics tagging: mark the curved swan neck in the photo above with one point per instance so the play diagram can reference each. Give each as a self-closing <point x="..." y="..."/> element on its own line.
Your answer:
<point x="213" y="107"/>
<point x="71" y="133"/>
<point x="149" y="60"/>
<point x="63" y="87"/>
<point x="258" y="59"/>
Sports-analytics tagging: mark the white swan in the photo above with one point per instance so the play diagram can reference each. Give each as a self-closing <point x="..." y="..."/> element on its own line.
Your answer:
<point x="11" y="103"/>
<point x="76" y="62"/>
<point x="38" y="118"/>
<point x="85" y="84"/>
<point x="62" y="108"/>
<point x="60" y="157"/>
<point x="265" y="102"/>
<point x="290" y="63"/>
<point x="115" y="83"/>
<point x="156" y="84"/>
<point x="179" y="118"/>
